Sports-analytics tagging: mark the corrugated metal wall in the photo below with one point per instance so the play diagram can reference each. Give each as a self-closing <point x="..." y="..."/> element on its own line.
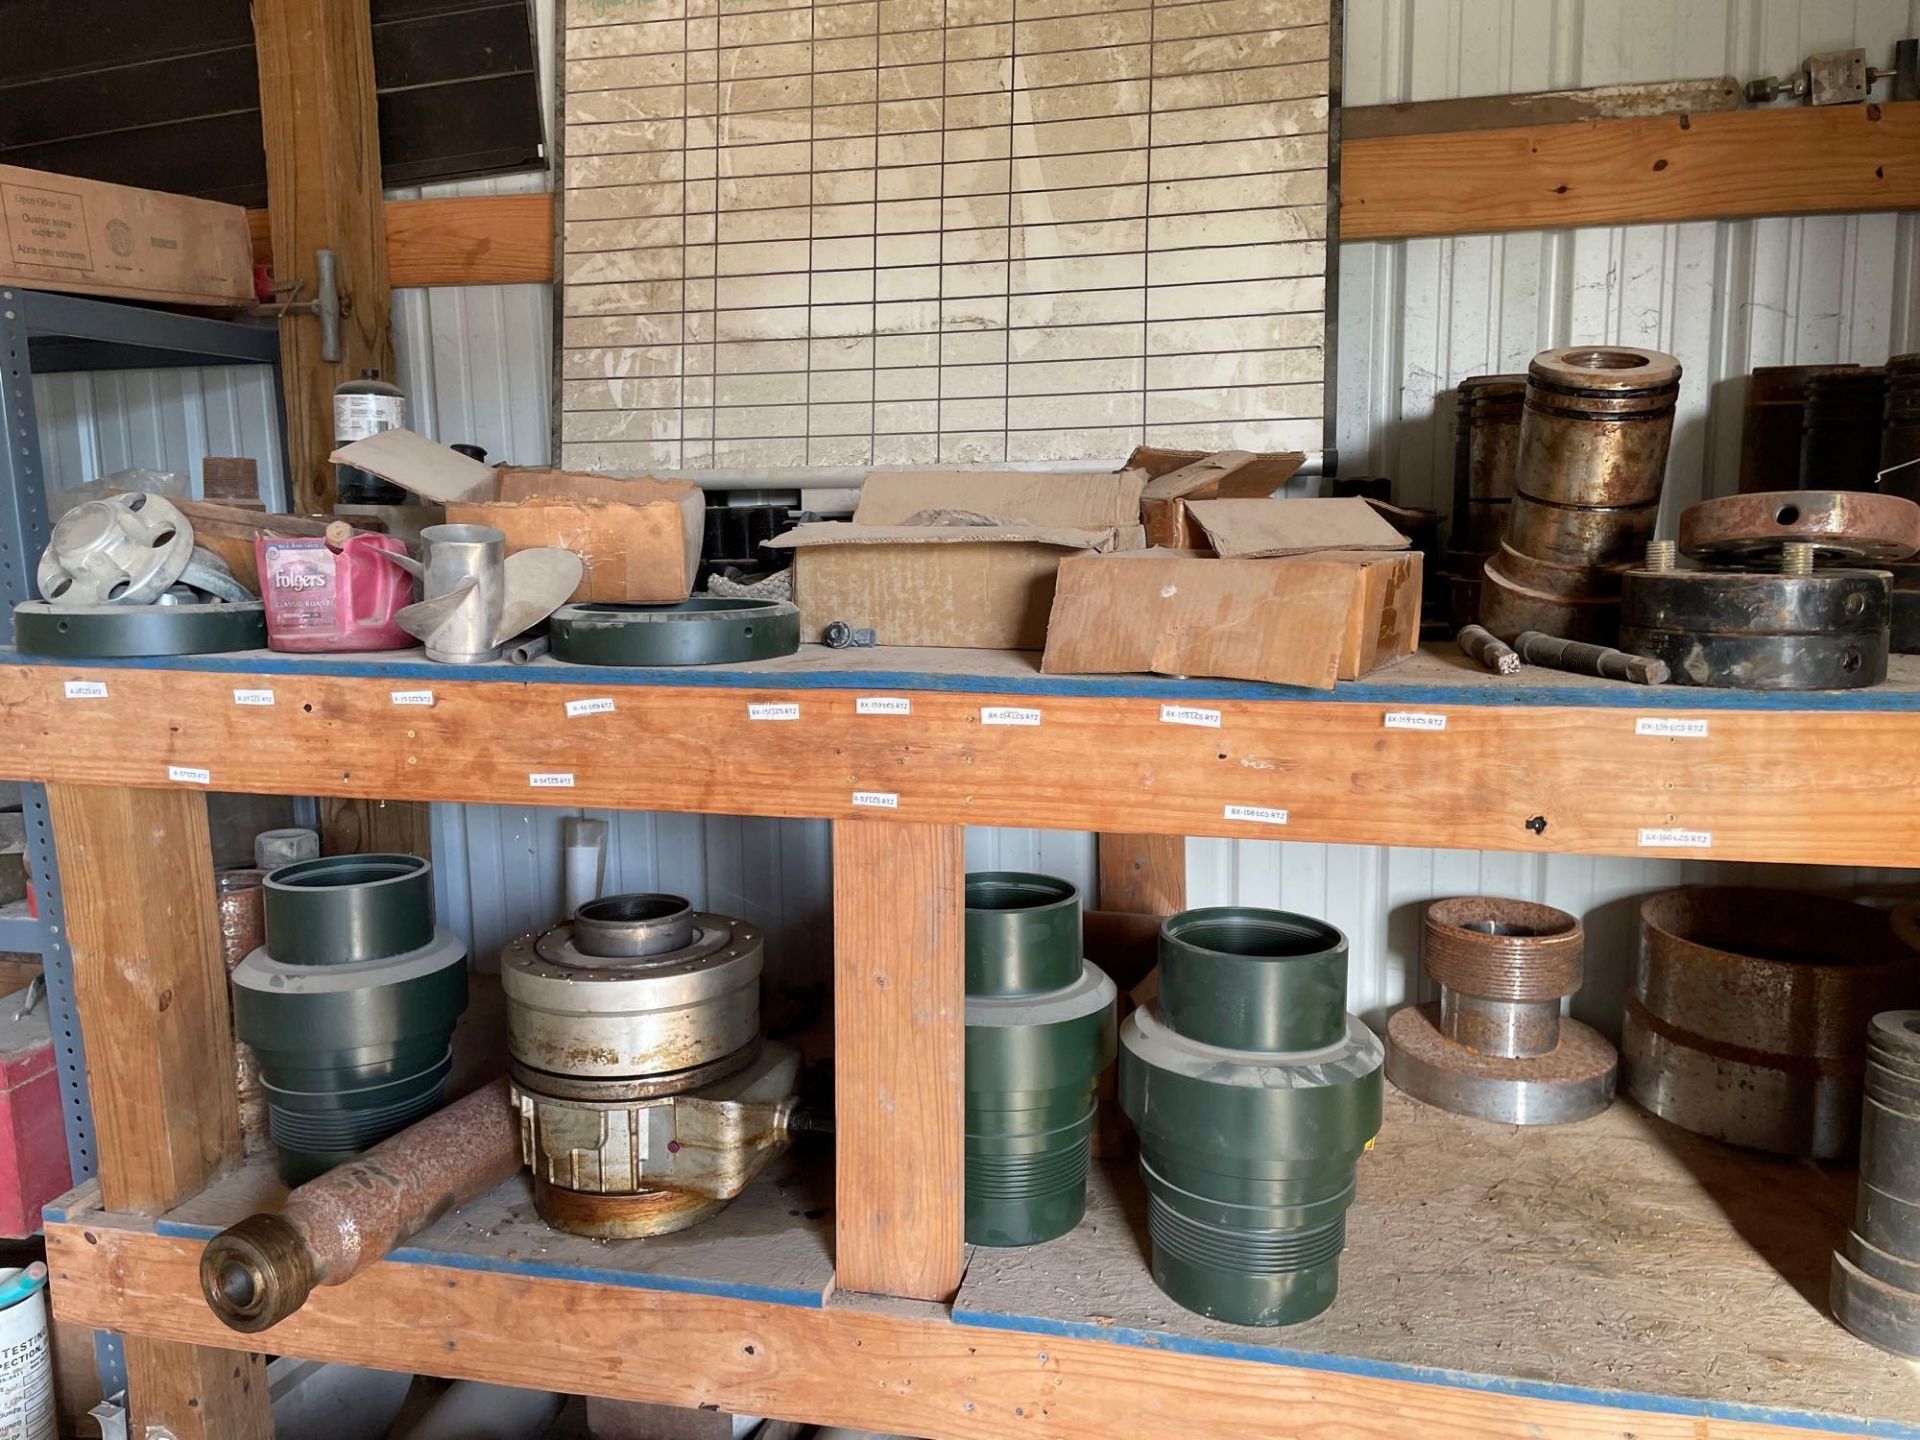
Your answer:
<point x="1415" y="317"/>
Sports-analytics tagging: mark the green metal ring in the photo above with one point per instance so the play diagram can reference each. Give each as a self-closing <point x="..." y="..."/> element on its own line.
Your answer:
<point x="706" y="630"/>
<point x="1250" y="979"/>
<point x="1022" y="933"/>
<point x="119" y="632"/>
<point x="340" y="909"/>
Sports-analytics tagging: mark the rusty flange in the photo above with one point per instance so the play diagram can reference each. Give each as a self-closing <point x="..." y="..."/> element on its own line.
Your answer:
<point x="1749" y="1010"/>
<point x="1841" y="525"/>
<point x="1495" y="1045"/>
<point x="1509" y="606"/>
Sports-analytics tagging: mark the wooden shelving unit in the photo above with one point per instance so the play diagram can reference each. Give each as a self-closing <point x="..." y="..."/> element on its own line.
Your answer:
<point x="1611" y="1279"/>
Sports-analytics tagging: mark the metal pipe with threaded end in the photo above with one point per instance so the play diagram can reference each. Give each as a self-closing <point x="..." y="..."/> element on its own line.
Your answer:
<point x="1576" y="658"/>
<point x="1481" y="644"/>
<point x="258" y="1272"/>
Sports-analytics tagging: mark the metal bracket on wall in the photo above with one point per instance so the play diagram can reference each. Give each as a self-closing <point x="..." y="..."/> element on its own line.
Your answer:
<point x="325" y="306"/>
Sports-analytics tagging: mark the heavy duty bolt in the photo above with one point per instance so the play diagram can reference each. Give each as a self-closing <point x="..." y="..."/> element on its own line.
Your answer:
<point x="1662" y="555"/>
<point x="1796" y="558"/>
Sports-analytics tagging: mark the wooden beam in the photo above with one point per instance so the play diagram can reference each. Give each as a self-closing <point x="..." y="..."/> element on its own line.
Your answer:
<point x="1618" y="171"/>
<point x="899" y="1017"/>
<point x="1143" y="874"/>
<point x="137" y="878"/>
<point x="855" y="1367"/>
<point x="1814" y="160"/>
<point x="1538" y="777"/>
<point x="323" y="189"/>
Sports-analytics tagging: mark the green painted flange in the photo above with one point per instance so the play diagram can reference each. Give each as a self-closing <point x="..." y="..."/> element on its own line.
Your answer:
<point x="706" y="630"/>
<point x="1248" y="1152"/>
<point x="120" y="632"/>
<point x="1023" y="933"/>
<point x="336" y="909"/>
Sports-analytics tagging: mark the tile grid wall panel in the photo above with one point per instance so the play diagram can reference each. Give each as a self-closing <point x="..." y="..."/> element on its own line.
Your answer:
<point x="953" y="231"/>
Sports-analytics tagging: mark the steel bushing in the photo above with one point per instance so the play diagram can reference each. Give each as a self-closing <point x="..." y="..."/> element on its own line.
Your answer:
<point x="1040" y="1022"/>
<point x="126" y="632"/>
<point x="626" y="927"/>
<point x="1900" y="436"/>
<point x="1495" y="1044"/>
<point x="1490" y="412"/>
<point x="336" y="909"/>
<point x="1748" y="1014"/>
<point x="1771" y="425"/>
<point x="1842" y="526"/>
<point x="705" y="630"/>
<point x="1596" y="426"/>
<point x="1254" y="1094"/>
<point x="1827" y="630"/>
<point x="652" y="1025"/>
<point x="1598" y="541"/>
<point x="1509" y="606"/>
<point x="350" y="1052"/>
<point x="1841" y="428"/>
<point x="1876" y="1278"/>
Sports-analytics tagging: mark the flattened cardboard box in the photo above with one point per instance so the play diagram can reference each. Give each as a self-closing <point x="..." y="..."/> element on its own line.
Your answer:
<point x="1305" y="620"/>
<point x="987" y="587"/>
<point x="86" y="236"/>
<point x="1250" y="529"/>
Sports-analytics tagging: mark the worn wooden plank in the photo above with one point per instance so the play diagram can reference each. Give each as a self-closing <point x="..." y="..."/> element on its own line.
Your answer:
<point x="1539" y="107"/>
<point x="1143" y="874"/>
<point x="318" y="117"/>
<point x="137" y="881"/>
<point x="899" y="1014"/>
<point x="1814" y="160"/>
<point x="911" y="1374"/>
<point x="1531" y="778"/>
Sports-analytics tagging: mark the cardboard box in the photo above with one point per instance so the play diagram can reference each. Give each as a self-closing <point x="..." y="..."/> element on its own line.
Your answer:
<point x="1249" y="529"/>
<point x="1223" y="474"/>
<point x="1303" y="620"/>
<point x="61" y="233"/>
<point x="638" y="540"/>
<point x="915" y="581"/>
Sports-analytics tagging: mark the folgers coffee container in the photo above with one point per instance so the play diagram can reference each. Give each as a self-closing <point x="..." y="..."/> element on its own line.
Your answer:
<point x="319" y="598"/>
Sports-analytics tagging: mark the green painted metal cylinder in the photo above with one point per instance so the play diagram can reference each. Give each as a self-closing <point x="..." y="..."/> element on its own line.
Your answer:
<point x="353" y="1037"/>
<point x="1040" y="1030"/>
<point x="1248" y="1150"/>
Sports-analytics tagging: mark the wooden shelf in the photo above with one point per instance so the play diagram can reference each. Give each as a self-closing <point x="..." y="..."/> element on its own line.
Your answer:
<point x="1548" y="764"/>
<point x="1615" y="1277"/>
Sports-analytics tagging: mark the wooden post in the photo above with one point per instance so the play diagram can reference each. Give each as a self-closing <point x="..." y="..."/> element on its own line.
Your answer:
<point x="323" y="188"/>
<point x="1143" y="874"/>
<point x="899" y="1056"/>
<point x="137" y="877"/>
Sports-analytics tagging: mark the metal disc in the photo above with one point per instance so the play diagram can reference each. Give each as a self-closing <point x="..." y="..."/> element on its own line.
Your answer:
<point x="1763" y="662"/>
<point x="706" y="630"/>
<point x="1573" y="1082"/>
<point x="1742" y="602"/>
<point x="114" y="632"/>
<point x="1841" y="525"/>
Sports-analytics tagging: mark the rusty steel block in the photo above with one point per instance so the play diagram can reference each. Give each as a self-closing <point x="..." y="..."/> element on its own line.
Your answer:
<point x="1735" y="629"/>
<point x="1749" y="1010"/>
<point x="1843" y="526"/>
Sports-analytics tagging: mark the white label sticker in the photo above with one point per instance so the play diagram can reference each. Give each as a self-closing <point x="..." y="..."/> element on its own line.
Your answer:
<point x="1413" y="720"/>
<point x="551" y="780"/>
<point x="875" y="800"/>
<point x="253" y="697"/>
<point x="1008" y="715"/>
<point x="86" y="689"/>
<point x="1671" y="726"/>
<point x="188" y="775"/>
<point x="1190" y="715"/>
<point x="412" y="697"/>
<point x="883" y="705"/>
<point x="772" y="710"/>
<point x="599" y="705"/>
<point x="1259" y="814"/>
<point x="355" y="417"/>
<point x="1678" y="839"/>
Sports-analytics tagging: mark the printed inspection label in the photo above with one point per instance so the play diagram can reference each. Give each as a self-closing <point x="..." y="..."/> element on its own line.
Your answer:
<point x="1258" y="814"/>
<point x="599" y="705"/>
<point x="551" y="780"/>
<point x="188" y="775"/>
<point x="253" y="697"/>
<point x="1414" y="720"/>
<point x="86" y="689"/>
<point x="1669" y="839"/>
<point x="411" y="697"/>
<point x="1008" y="715"/>
<point x="1672" y="726"/>
<point x="1190" y="715"/>
<point x="876" y="800"/>
<point x="773" y="710"/>
<point x="882" y="705"/>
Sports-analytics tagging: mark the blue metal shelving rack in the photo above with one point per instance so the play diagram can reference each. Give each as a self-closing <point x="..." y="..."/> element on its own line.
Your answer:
<point x="48" y="333"/>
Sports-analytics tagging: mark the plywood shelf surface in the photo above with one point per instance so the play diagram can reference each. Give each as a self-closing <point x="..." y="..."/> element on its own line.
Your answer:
<point x="1619" y="1267"/>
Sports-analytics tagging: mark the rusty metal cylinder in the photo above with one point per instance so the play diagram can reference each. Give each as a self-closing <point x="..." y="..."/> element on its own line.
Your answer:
<point x="1503" y="967"/>
<point x="242" y="931"/>
<point x="1748" y="1015"/>
<point x="1492" y="407"/>
<point x="258" y="1272"/>
<point x="1900" y="434"/>
<point x="1594" y="433"/>
<point x="1770" y="428"/>
<point x="1875" y="1286"/>
<point x="1841" y="428"/>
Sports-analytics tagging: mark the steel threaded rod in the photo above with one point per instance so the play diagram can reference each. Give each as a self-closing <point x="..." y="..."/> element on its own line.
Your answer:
<point x="1662" y="555"/>
<point x="1796" y="558"/>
